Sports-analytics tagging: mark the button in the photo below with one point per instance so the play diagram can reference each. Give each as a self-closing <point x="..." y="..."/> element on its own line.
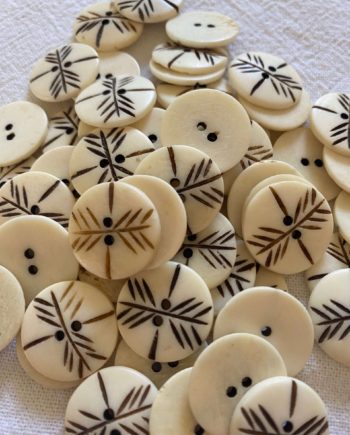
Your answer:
<point x="188" y="60"/>
<point x="150" y="125"/>
<point x="201" y="29"/>
<point x="266" y="278"/>
<point x="117" y="63"/>
<point x="265" y="80"/>
<point x="280" y="405"/>
<point x="262" y="311"/>
<point x="342" y="214"/>
<point x="336" y="257"/>
<point x="113" y="401"/>
<point x="8" y="172"/>
<point x="287" y="226"/>
<point x="24" y="246"/>
<point x="337" y="167"/>
<point x="64" y="72"/>
<point x="154" y="11"/>
<point x="171" y="412"/>
<point x="302" y="150"/>
<point x="233" y="364"/>
<point x="329" y="121"/>
<point x="11" y="308"/>
<point x="283" y="119"/>
<point x="157" y="306"/>
<point x="194" y="176"/>
<point x="23" y="128"/>
<point x="212" y="252"/>
<point x="63" y="130"/>
<point x="107" y="155"/>
<point x="171" y="212"/>
<point x="114" y="230"/>
<point x="329" y="310"/>
<point x="157" y="372"/>
<point x="221" y="130"/>
<point x="116" y="101"/>
<point x="242" y="276"/>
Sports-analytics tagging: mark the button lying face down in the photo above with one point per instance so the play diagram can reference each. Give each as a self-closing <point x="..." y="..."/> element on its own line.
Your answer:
<point x="194" y="176"/>
<point x="211" y="121"/>
<point x="171" y="412"/>
<point x="114" y="230"/>
<point x="63" y="130"/>
<point x="116" y="101"/>
<point x="266" y="278"/>
<point x="8" y="172"/>
<point x="23" y="127"/>
<point x="233" y="364"/>
<point x="24" y="245"/>
<point x="242" y="276"/>
<point x="337" y="167"/>
<point x="153" y="11"/>
<point x="36" y="193"/>
<point x="69" y="331"/>
<point x="262" y="311"/>
<point x="157" y="372"/>
<point x="211" y="252"/>
<point x="303" y="151"/>
<point x="115" y="400"/>
<point x="287" y="226"/>
<point x="329" y="307"/>
<point x="330" y="120"/>
<point x="201" y="29"/>
<point x="157" y="304"/>
<point x="107" y="155"/>
<point x="171" y="212"/>
<point x="336" y="257"/>
<point x="64" y="72"/>
<point x="282" y="119"/>
<point x="342" y="214"/>
<point x="11" y="307"/>
<point x="245" y="182"/>
<point x="110" y="287"/>
<point x="150" y="125"/>
<point x="265" y="80"/>
<point x="105" y="29"/>
<point x="280" y="405"/>
<point x="117" y="63"/>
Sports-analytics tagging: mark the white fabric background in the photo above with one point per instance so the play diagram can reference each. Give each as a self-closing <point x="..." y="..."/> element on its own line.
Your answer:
<point x="313" y="35"/>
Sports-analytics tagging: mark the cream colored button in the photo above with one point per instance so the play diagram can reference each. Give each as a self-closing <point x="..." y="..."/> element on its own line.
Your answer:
<point x="152" y="11"/>
<point x="63" y="130"/>
<point x="23" y="127"/>
<point x="202" y="29"/>
<point x="265" y="80"/>
<point x="24" y="246"/>
<point x="342" y="214"/>
<point x="224" y="372"/>
<point x="64" y="72"/>
<point x="11" y="307"/>
<point x="116" y="63"/>
<point x="275" y="316"/>
<point x="171" y="212"/>
<point x="114" y="230"/>
<point x="116" y="101"/>
<point x="287" y="226"/>
<point x="266" y="278"/>
<point x="184" y="79"/>
<point x="8" y="172"/>
<point x="36" y="193"/>
<point x="245" y="182"/>
<point x="242" y="276"/>
<point x="105" y="29"/>
<point x="283" y="119"/>
<point x="302" y="150"/>
<point x="329" y="121"/>
<point x="171" y="412"/>
<point x="157" y="372"/>
<point x="150" y="125"/>
<point x="107" y="155"/>
<point x="336" y="257"/>
<point x="338" y="168"/>
<point x="157" y="306"/>
<point x="212" y="252"/>
<point x="69" y="331"/>
<point x="211" y="121"/>
<point x="114" y="401"/>
<point x="280" y="405"/>
<point x="329" y="307"/>
<point x="194" y="176"/>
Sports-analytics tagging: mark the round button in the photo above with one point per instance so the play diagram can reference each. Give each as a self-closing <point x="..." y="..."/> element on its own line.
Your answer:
<point x="342" y="214"/>
<point x="154" y="12"/>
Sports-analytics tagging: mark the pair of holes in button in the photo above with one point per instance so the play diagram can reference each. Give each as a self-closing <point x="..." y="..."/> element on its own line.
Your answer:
<point x="212" y="137"/>
<point x="288" y="220"/>
<point x="30" y="254"/>
<point x="305" y="162"/>
<point x="75" y="326"/>
<point x="108" y="239"/>
<point x="232" y="391"/>
<point x="210" y="26"/>
<point x="157" y="366"/>
<point x="10" y="134"/>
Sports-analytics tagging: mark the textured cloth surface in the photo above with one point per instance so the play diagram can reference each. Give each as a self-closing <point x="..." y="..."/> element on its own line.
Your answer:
<point x="313" y="35"/>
